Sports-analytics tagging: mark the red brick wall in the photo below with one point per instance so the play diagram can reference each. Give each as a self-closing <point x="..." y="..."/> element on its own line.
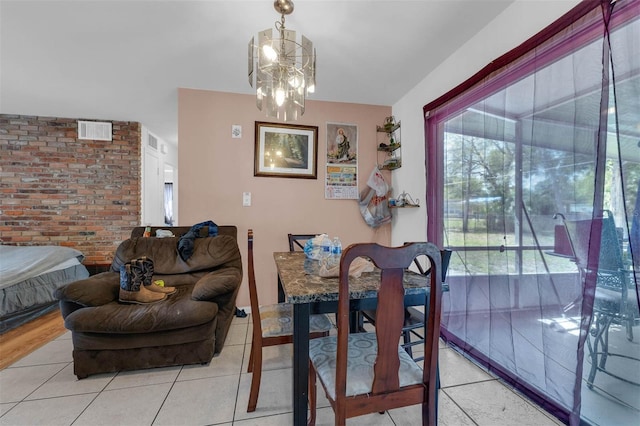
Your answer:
<point x="56" y="189"/>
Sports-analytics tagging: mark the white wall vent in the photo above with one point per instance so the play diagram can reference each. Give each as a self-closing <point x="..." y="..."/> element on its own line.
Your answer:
<point x="95" y="130"/>
<point x="153" y="142"/>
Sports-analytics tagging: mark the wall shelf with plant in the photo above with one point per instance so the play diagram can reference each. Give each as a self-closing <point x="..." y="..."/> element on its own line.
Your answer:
<point x="389" y="142"/>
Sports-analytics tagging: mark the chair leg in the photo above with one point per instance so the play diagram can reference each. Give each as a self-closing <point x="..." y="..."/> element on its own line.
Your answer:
<point x="593" y="347"/>
<point x="312" y="395"/>
<point x="250" y="366"/>
<point x="255" y="378"/>
<point x="430" y="405"/>
<point x="597" y="336"/>
<point x="605" y="342"/>
<point x="427" y="414"/>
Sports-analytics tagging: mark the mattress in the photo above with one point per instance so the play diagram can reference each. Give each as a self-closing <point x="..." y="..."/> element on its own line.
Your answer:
<point x="29" y="277"/>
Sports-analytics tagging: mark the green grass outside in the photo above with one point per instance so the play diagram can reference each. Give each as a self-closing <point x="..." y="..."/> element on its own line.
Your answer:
<point x="496" y="262"/>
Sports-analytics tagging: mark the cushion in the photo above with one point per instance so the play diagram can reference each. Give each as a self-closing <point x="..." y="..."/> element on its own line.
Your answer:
<point x="221" y="281"/>
<point x="363" y="349"/>
<point x="96" y="290"/>
<point x="610" y="301"/>
<point x="277" y="320"/>
<point x="209" y="253"/>
<point x="177" y="311"/>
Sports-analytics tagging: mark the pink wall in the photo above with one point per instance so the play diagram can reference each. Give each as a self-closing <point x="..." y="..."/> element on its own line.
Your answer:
<point x="214" y="170"/>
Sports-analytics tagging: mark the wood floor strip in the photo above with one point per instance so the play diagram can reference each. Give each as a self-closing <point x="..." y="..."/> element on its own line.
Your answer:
<point x="21" y="341"/>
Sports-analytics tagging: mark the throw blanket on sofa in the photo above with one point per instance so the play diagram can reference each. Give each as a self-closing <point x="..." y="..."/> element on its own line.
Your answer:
<point x="187" y="241"/>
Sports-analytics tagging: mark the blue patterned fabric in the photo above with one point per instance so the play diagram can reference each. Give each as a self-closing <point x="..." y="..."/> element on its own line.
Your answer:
<point x="363" y="350"/>
<point x="187" y="241"/>
<point x="277" y="320"/>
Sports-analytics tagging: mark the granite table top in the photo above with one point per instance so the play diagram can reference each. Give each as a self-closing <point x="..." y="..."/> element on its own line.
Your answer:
<point x="302" y="284"/>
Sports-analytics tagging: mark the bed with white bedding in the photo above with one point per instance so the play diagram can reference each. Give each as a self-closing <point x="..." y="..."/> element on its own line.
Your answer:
<point x="29" y="276"/>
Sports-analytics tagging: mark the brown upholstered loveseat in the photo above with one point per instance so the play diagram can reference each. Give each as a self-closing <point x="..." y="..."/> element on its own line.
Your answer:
<point x="188" y="327"/>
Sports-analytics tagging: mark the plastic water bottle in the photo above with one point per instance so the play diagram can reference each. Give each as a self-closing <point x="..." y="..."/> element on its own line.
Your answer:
<point x="336" y="252"/>
<point x="336" y="248"/>
<point x="325" y="246"/>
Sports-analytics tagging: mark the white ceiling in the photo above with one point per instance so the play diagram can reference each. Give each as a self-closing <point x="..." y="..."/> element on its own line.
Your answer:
<point x="124" y="60"/>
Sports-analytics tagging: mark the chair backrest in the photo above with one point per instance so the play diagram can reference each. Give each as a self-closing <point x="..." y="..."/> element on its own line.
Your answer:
<point x="445" y="256"/>
<point x="595" y="243"/>
<point x="597" y="247"/>
<point x="253" y="291"/>
<point x="392" y="262"/>
<point x="298" y="241"/>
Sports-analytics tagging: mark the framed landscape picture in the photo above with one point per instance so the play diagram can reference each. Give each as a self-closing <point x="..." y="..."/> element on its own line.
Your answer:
<point x="286" y="150"/>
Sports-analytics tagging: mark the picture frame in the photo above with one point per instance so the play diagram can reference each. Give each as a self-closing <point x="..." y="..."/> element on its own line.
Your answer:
<point x="285" y="150"/>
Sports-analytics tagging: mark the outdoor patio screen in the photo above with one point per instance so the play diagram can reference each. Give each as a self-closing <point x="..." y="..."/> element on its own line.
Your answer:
<point x="549" y="138"/>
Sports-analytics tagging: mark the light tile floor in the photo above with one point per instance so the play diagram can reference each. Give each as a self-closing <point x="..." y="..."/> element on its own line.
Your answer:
<point x="40" y="389"/>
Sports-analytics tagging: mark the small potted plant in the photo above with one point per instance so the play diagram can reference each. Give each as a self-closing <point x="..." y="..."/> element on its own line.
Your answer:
<point x="389" y="122"/>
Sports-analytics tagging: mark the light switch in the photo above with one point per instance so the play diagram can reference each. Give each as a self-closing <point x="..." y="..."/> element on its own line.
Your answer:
<point x="236" y="131"/>
<point x="246" y="199"/>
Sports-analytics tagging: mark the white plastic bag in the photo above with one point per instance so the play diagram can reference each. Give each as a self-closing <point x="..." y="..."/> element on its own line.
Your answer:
<point x="376" y="181"/>
<point x="374" y="203"/>
<point x="313" y="247"/>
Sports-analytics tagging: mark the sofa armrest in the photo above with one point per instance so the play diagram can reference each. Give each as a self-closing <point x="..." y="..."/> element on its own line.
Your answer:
<point x="216" y="283"/>
<point x="96" y="290"/>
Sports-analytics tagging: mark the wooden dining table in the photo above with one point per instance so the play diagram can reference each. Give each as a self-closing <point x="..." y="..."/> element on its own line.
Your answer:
<point x="300" y="284"/>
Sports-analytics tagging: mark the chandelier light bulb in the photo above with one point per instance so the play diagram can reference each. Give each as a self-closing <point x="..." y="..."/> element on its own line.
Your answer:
<point x="280" y="95"/>
<point x="269" y="52"/>
<point x="295" y="82"/>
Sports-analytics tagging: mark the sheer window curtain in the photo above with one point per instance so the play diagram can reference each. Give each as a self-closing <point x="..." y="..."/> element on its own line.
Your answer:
<point x="168" y="203"/>
<point x="552" y="134"/>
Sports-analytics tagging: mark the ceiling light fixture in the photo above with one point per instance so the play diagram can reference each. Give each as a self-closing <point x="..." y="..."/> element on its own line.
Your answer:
<point x="284" y="69"/>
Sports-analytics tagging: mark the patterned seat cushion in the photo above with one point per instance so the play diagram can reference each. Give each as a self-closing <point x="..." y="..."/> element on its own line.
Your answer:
<point x="363" y="349"/>
<point x="277" y="320"/>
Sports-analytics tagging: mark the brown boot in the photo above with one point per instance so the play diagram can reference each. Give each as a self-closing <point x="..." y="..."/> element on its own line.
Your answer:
<point x="146" y="265"/>
<point x="132" y="290"/>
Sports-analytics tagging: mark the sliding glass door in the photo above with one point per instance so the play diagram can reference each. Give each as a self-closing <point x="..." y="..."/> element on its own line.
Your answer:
<point x="549" y="140"/>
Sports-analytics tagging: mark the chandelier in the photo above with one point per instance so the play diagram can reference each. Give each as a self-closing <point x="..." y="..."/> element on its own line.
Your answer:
<point x="284" y="69"/>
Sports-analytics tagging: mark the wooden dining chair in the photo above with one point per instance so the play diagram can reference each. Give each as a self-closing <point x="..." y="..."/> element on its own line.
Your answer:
<point x="272" y="325"/>
<point x="369" y="372"/>
<point x="298" y="241"/>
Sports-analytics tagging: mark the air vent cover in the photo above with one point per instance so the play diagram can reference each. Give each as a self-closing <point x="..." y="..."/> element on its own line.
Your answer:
<point x="95" y="130"/>
<point x="153" y="142"/>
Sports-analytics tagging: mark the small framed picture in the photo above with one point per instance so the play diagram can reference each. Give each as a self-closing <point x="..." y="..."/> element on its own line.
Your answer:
<point x="286" y="150"/>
